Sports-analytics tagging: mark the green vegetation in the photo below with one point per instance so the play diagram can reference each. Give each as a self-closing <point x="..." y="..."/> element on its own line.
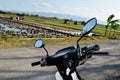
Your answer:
<point x="9" y="42"/>
<point x="52" y="22"/>
<point x="14" y="42"/>
<point x="112" y="25"/>
<point x="55" y="23"/>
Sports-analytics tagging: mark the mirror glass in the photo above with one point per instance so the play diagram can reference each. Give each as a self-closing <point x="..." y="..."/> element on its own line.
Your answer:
<point x="38" y="44"/>
<point x="89" y="26"/>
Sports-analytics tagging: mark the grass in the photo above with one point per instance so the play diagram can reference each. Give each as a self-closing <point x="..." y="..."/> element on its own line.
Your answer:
<point x="51" y="22"/>
<point x="13" y="42"/>
<point x="17" y="42"/>
<point x="57" y="23"/>
<point x="72" y="40"/>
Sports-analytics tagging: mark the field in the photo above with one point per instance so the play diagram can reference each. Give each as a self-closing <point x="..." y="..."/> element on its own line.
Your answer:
<point x="10" y="42"/>
<point x="57" y="23"/>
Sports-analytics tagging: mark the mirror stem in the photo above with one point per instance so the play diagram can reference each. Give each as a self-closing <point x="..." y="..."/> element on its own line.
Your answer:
<point x="79" y="50"/>
<point x="46" y="51"/>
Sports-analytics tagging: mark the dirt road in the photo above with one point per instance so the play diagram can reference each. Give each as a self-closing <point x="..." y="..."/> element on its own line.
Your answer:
<point x="15" y="64"/>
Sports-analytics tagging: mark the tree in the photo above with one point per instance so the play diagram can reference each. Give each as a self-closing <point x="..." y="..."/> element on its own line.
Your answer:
<point x="20" y="16"/>
<point x="108" y="23"/>
<point x="2" y="12"/>
<point x="113" y="24"/>
<point x="65" y="21"/>
<point x="83" y="23"/>
<point x="75" y="23"/>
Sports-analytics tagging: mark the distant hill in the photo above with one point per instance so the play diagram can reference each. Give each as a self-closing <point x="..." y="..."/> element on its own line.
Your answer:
<point x="63" y="16"/>
<point x="59" y="15"/>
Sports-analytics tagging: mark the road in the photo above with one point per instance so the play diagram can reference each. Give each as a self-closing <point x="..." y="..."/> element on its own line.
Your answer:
<point x="15" y="64"/>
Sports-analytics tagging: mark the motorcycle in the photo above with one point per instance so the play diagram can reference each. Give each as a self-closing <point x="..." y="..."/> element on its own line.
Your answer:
<point x="66" y="60"/>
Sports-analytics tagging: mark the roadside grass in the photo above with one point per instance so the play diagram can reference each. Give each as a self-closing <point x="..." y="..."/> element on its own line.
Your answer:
<point x="72" y="40"/>
<point x="17" y="42"/>
<point x="14" y="42"/>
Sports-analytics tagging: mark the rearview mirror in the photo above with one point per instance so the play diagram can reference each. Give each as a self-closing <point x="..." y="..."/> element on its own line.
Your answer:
<point x="39" y="44"/>
<point x="89" y="26"/>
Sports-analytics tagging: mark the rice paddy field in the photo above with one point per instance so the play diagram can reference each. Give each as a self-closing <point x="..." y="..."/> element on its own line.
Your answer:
<point x="15" y="41"/>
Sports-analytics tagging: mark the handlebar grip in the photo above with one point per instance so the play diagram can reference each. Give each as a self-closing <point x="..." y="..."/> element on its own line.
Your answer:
<point x="87" y="51"/>
<point x="35" y="63"/>
<point x="93" y="48"/>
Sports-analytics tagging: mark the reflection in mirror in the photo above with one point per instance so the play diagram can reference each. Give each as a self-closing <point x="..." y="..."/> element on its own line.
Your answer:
<point x="89" y="26"/>
<point x="39" y="44"/>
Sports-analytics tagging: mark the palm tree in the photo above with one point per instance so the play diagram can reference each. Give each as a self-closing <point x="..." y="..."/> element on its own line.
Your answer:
<point x="109" y="22"/>
<point x="113" y="24"/>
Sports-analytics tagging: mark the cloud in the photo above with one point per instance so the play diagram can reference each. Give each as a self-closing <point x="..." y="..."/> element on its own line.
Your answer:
<point x="42" y="5"/>
<point x="104" y="11"/>
<point x="86" y="12"/>
<point x="1" y="8"/>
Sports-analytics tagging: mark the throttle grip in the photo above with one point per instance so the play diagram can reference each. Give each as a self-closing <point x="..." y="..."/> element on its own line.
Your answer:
<point x="35" y="63"/>
<point x="93" y="48"/>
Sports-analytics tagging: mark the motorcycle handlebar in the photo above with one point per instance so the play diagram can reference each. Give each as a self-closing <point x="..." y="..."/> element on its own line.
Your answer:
<point x="87" y="51"/>
<point x="49" y="60"/>
<point x="35" y="63"/>
<point x="42" y="62"/>
<point x="92" y="48"/>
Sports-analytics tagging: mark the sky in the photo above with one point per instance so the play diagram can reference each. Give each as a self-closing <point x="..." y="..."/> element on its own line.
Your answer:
<point x="100" y="9"/>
